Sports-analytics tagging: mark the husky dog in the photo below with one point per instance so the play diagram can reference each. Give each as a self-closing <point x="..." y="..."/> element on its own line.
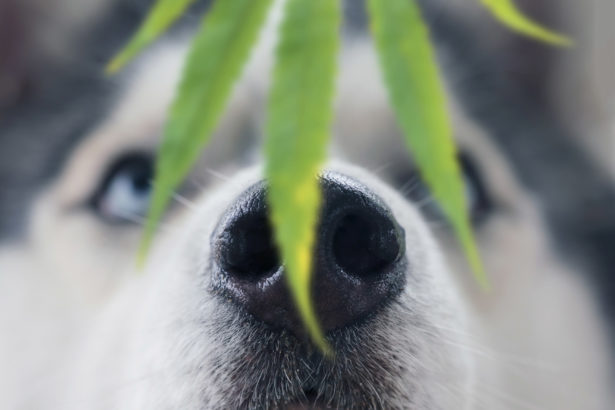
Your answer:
<point x="209" y="323"/>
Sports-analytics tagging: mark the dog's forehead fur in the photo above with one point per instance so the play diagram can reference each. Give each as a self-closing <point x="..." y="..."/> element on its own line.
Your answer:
<point x="161" y="339"/>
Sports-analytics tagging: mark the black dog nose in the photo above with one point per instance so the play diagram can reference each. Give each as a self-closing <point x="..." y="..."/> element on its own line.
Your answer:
<point x="359" y="260"/>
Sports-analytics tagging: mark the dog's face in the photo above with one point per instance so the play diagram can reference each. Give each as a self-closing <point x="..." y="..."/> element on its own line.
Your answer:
<point x="209" y="322"/>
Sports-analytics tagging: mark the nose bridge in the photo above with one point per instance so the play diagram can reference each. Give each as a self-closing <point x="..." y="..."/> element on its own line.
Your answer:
<point x="359" y="257"/>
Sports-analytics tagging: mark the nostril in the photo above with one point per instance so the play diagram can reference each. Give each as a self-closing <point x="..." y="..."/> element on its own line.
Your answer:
<point x="249" y="251"/>
<point x="359" y="262"/>
<point x="365" y="244"/>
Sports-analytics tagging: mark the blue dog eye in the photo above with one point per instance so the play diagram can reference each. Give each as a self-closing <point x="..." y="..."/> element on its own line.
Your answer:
<point x="125" y="192"/>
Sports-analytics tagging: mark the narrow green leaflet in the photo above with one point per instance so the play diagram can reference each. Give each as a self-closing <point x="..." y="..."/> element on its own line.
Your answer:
<point x="216" y="57"/>
<point x="298" y="127"/>
<point x="162" y="15"/>
<point x="507" y="12"/>
<point x="411" y="75"/>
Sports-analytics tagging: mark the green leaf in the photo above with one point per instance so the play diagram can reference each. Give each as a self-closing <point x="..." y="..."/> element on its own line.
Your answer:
<point x="417" y="95"/>
<point x="162" y="15"/>
<point x="298" y="127"/>
<point x="507" y="12"/>
<point x="216" y="57"/>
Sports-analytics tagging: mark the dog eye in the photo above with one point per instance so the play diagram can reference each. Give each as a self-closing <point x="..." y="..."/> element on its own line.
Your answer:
<point x="477" y="195"/>
<point x="124" y="192"/>
<point x="478" y="199"/>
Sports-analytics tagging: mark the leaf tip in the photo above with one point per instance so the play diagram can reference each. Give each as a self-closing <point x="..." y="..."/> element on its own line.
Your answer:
<point x="318" y="338"/>
<point x="116" y="64"/>
<point x="565" y="42"/>
<point x="481" y="276"/>
<point x="326" y="349"/>
<point x="113" y="67"/>
<point x="475" y="262"/>
<point x="143" y="250"/>
<point x="556" y="39"/>
<point x="157" y="207"/>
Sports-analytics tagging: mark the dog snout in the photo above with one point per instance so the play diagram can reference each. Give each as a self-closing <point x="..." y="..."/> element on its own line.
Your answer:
<point x="359" y="257"/>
